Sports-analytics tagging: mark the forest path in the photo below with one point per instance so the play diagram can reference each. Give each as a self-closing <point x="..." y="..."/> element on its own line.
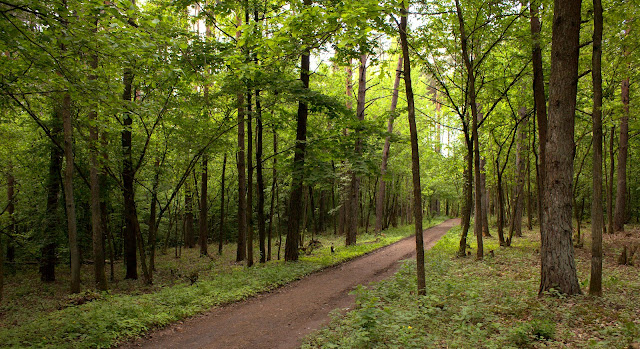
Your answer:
<point x="281" y="318"/>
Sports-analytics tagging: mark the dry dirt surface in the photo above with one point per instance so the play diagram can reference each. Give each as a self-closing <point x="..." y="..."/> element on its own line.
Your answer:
<point x="281" y="318"/>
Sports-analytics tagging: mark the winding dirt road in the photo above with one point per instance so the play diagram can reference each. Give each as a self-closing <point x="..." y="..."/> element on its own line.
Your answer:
<point x="280" y="319"/>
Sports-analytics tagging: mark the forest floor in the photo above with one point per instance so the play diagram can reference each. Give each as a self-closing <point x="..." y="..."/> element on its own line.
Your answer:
<point x="280" y="319"/>
<point x="36" y="314"/>
<point x="494" y="302"/>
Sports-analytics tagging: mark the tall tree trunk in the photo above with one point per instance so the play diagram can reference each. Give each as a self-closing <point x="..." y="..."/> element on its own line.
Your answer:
<point x="12" y="227"/>
<point x="477" y="220"/>
<point x="293" y="224"/>
<point x="500" y="219"/>
<point x="468" y="198"/>
<point x="354" y="188"/>
<point x="260" y="179"/>
<point x="621" y="181"/>
<point x="52" y="222"/>
<point x="189" y="231"/>
<point x="415" y="158"/>
<point x="127" y="184"/>
<point x="153" y="225"/>
<point x="539" y="101"/>
<point x="203" y="222"/>
<point x="610" y="186"/>
<point x="222" y="189"/>
<point x="242" y="183"/>
<point x="518" y="189"/>
<point x="69" y="201"/>
<point x="595" y="283"/>
<point x="385" y="150"/>
<point x="96" y="215"/>
<point x="94" y="178"/>
<point x="558" y="269"/>
<point x="249" y="115"/>
<point x="485" y="198"/>
<point x="273" y="193"/>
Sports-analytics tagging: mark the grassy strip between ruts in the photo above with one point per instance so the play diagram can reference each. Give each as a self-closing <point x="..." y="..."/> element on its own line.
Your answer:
<point x="110" y="319"/>
<point x="489" y="304"/>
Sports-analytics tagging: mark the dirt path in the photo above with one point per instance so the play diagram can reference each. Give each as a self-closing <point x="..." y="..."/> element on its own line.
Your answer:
<point x="280" y="319"/>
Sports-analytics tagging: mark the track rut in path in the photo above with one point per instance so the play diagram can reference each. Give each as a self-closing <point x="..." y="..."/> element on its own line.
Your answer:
<point x="281" y="318"/>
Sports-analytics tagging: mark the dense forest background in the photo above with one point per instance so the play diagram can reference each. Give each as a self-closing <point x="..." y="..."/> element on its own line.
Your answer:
<point x="131" y="129"/>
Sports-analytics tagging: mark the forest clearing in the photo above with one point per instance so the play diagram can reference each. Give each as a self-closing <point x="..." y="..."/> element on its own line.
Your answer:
<point x="164" y="158"/>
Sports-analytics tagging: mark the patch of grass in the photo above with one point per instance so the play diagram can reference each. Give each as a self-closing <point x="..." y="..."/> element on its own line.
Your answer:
<point x="100" y="320"/>
<point x="491" y="303"/>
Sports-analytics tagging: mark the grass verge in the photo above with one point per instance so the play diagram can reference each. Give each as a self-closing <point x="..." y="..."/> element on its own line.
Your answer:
<point x="108" y="319"/>
<point x="490" y="304"/>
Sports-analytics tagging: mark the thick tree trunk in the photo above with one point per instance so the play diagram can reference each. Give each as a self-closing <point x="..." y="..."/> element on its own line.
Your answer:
<point x="558" y="269"/>
<point x="222" y="189"/>
<point x="385" y="150"/>
<point x="203" y="222"/>
<point x="69" y="201"/>
<point x="293" y="224"/>
<point x="621" y="181"/>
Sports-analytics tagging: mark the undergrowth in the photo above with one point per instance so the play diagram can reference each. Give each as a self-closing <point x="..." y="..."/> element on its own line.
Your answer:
<point x="491" y="303"/>
<point x="109" y="318"/>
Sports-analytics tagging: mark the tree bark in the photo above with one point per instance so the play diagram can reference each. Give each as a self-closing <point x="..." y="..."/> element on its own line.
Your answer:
<point x="610" y="186"/>
<point x="273" y="194"/>
<point x="69" y="201"/>
<point x="467" y="193"/>
<point x="242" y="183"/>
<point x="471" y="91"/>
<point x="385" y="150"/>
<point x="595" y="283"/>
<point x="354" y="188"/>
<point x="558" y="269"/>
<point x="260" y="179"/>
<point x="539" y="100"/>
<point x="415" y="158"/>
<point x="221" y="233"/>
<point x="293" y="224"/>
<point x="518" y="190"/>
<point x="153" y="226"/>
<point x="249" y="257"/>
<point x="52" y="225"/>
<point x="203" y="222"/>
<point x="127" y="184"/>
<point x="189" y="231"/>
<point x="621" y="180"/>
